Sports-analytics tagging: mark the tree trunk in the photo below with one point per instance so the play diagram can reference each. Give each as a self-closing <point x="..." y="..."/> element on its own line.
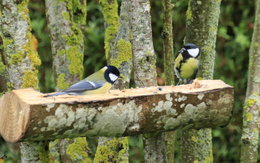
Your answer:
<point x="110" y="13"/>
<point x="19" y="60"/>
<point x="201" y="29"/>
<point x="251" y="120"/>
<point x="118" y="51"/>
<point x="168" y="70"/>
<point x="168" y="42"/>
<point x="112" y="149"/>
<point x="121" y="54"/>
<point x="19" y="57"/>
<point x="67" y="20"/>
<point x="144" y="60"/>
<point x="144" y="57"/>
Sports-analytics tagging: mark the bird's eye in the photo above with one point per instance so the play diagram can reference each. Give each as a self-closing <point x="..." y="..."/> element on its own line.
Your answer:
<point x="113" y="77"/>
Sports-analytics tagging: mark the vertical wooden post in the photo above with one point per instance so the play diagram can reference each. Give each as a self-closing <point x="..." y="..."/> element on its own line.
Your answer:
<point x="251" y="120"/>
<point x="201" y="29"/>
<point x="118" y="53"/>
<point x="19" y="59"/>
<point x="66" y="21"/>
<point x="168" y="70"/>
<point x="144" y="59"/>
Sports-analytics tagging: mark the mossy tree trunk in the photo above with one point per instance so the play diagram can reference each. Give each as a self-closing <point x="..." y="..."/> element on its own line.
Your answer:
<point x="144" y="60"/>
<point x="19" y="61"/>
<point x="19" y="58"/>
<point x="110" y="13"/>
<point x="168" y="69"/>
<point x="118" y="51"/>
<point x="121" y="52"/>
<point x="168" y="42"/>
<point x="201" y="29"/>
<point x="67" y="20"/>
<point x="251" y="121"/>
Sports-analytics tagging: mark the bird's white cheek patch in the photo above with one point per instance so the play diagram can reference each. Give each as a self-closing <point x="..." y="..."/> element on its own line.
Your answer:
<point x="113" y="77"/>
<point x="194" y="52"/>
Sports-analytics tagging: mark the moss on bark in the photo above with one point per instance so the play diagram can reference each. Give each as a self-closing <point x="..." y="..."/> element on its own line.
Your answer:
<point x="66" y="22"/>
<point x="168" y="42"/>
<point x="169" y="137"/>
<point x="19" y="61"/>
<point x="118" y="51"/>
<point x="110" y="13"/>
<point x="112" y="150"/>
<point x="144" y="60"/>
<point x="201" y="29"/>
<point x="251" y="121"/>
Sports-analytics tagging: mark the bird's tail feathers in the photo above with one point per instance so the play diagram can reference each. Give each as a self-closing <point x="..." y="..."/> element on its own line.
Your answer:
<point x="55" y="94"/>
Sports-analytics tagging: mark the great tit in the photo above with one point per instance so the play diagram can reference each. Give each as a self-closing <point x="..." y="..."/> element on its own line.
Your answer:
<point x="186" y="63"/>
<point x="97" y="83"/>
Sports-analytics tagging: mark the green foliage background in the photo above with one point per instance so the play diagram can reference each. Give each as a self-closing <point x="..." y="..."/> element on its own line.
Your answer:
<point x="233" y="41"/>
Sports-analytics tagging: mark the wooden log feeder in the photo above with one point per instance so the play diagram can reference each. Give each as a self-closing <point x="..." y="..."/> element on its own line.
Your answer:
<point x="27" y="115"/>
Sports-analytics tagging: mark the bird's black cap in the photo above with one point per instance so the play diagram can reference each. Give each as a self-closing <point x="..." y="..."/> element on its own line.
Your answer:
<point x="111" y="70"/>
<point x="190" y="46"/>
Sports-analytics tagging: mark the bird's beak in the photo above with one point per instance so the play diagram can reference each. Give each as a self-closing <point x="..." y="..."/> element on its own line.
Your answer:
<point x="121" y="77"/>
<point x="182" y="50"/>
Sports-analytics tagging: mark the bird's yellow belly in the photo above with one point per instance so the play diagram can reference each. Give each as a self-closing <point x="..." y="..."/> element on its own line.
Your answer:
<point x="189" y="68"/>
<point x="104" y="89"/>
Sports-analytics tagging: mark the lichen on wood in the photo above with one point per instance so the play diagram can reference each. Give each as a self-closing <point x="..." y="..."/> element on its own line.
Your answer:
<point x="144" y="57"/>
<point x="121" y="52"/>
<point x="121" y="113"/>
<point x="118" y="51"/>
<point x="168" y="42"/>
<point x="18" y="49"/>
<point x="67" y="23"/>
<point x="144" y="68"/>
<point x="251" y="121"/>
<point x="34" y="152"/>
<point x="201" y="29"/>
<point x="76" y="150"/>
<point x="169" y="137"/>
<point x="110" y="13"/>
<point x="66" y="20"/>
<point x="112" y="150"/>
<point x="19" y="60"/>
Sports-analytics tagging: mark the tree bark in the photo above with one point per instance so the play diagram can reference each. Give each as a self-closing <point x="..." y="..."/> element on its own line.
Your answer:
<point x="201" y="29"/>
<point x="111" y="149"/>
<point x="19" y="59"/>
<point x="205" y="103"/>
<point x="34" y="152"/>
<point x="119" y="53"/>
<point x="168" y="70"/>
<point x="251" y="120"/>
<point x="67" y="20"/>
<point x="144" y="57"/>
<point x="110" y="13"/>
<point x="168" y="42"/>
<point x="144" y="60"/>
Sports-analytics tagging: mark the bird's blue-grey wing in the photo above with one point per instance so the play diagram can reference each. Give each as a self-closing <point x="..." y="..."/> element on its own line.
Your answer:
<point x="84" y="85"/>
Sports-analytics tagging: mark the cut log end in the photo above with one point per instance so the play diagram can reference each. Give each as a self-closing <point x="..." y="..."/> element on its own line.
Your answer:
<point x="14" y="115"/>
<point x="23" y="112"/>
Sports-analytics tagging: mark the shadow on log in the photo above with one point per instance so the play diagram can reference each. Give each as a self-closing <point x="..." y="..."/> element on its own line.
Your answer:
<point x="27" y="115"/>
